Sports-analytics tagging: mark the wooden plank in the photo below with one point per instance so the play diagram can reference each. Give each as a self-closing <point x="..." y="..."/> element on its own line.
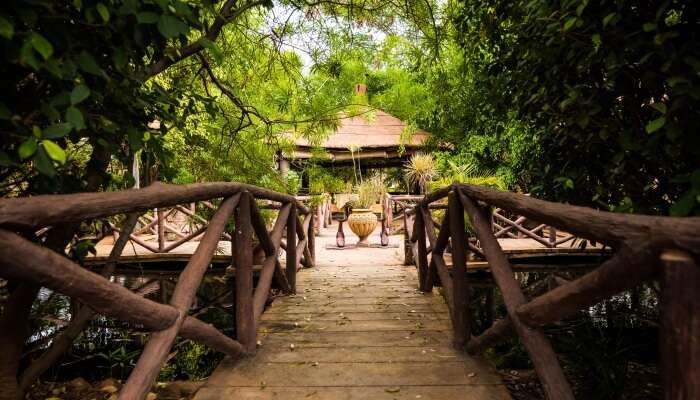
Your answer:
<point x="330" y="308"/>
<point x="454" y="392"/>
<point x="252" y="372"/>
<point x="346" y="324"/>
<point x="359" y="316"/>
<point x="408" y="338"/>
<point x="680" y="326"/>
<point x="360" y="327"/>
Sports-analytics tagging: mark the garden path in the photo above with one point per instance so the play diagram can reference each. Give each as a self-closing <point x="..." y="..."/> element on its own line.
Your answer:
<point x="358" y="328"/>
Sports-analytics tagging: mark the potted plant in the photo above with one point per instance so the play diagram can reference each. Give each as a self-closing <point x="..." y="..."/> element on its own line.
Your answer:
<point x="362" y="220"/>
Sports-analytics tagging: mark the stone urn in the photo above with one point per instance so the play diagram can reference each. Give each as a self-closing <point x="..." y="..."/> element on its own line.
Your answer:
<point x="362" y="222"/>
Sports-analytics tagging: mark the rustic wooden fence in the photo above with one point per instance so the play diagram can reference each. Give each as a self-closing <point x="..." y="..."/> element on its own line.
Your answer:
<point x="645" y="248"/>
<point x="24" y="259"/>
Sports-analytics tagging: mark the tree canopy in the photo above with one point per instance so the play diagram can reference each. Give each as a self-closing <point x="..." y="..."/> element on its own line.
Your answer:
<point x="589" y="102"/>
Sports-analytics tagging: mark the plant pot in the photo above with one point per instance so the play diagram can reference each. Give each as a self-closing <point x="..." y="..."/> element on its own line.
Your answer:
<point x="362" y="222"/>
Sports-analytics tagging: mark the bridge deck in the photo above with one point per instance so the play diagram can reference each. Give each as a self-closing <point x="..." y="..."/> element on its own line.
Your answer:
<point x="359" y="330"/>
<point x="134" y="253"/>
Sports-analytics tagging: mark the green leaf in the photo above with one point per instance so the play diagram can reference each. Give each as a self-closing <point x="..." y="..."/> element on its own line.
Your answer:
<point x="213" y="49"/>
<point x="119" y="58"/>
<point x="147" y="17"/>
<point x="88" y="64"/>
<point x="57" y="130"/>
<point x="7" y="30"/>
<point x="54" y="151"/>
<point x="75" y="117"/>
<point x="648" y="27"/>
<point x="660" y="107"/>
<point x="684" y="205"/>
<point x="79" y="93"/>
<point x="656" y="124"/>
<point x="581" y="7"/>
<point x="608" y="18"/>
<point x="103" y="11"/>
<point x="570" y="23"/>
<point x="41" y="45"/>
<point x="171" y="27"/>
<point x="27" y="149"/>
<point x="27" y="55"/>
<point x="43" y="162"/>
<point x="36" y="131"/>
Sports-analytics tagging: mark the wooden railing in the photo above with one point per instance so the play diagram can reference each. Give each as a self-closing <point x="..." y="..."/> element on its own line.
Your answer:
<point x="645" y="248"/>
<point x="24" y="259"/>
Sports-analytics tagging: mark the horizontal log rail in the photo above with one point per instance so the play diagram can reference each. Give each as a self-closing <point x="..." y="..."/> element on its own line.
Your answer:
<point x="26" y="260"/>
<point x="646" y="248"/>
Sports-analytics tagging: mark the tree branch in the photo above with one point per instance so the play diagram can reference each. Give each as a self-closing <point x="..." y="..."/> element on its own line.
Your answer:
<point x="225" y="16"/>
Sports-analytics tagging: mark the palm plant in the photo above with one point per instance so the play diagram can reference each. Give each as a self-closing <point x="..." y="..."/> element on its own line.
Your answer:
<point x="467" y="173"/>
<point x="420" y="170"/>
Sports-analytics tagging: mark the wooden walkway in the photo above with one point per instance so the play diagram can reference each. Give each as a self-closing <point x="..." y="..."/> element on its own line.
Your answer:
<point x="357" y="329"/>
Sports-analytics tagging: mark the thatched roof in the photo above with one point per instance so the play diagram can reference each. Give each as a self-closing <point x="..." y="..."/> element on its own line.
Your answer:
<point x="375" y="130"/>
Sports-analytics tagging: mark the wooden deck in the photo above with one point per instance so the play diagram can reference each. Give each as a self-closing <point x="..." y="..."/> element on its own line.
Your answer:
<point x="357" y="329"/>
<point x="134" y="253"/>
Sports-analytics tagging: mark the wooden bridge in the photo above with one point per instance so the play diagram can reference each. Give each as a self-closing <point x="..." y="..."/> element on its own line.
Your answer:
<point x="355" y="328"/>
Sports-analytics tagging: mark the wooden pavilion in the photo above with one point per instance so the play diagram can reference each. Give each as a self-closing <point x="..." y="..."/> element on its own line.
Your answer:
<point x="375" y="139"/>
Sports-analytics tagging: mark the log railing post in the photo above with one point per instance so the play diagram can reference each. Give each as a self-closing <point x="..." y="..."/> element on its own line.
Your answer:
<point x="245" y="319"/>
<point x="160" y="215"/>
<point x="552" y="236"/>
<point x="422" y="256"/>
<point x="407" y="244"/>
<point x="460" y="285"/>
<point x="311" y="240"/>
<point x="680" y="326"/>
<point x="291" y="268"/>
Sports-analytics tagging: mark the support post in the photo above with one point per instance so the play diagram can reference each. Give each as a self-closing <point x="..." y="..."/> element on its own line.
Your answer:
<point x="292" y="249"/>
<point x="552" y="236"/>
<point x="460" y="285"/>
<point x="245" y="319"/>
<point x="161" y="229"/>
<point x="311" y="240"/>
<point x="407" y="245"/>
<point x="422" y="261"/>
<point x="680" y="326"/>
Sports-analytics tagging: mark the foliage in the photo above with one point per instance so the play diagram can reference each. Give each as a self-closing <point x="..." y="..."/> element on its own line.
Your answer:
<point x="369" y="192"/>
<point x="450" y="171"/>
<point x="611" y="88"/>
<point x="191" y="361"/>
<point x="323" y="180"/>
<point x="420" y="170"/>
